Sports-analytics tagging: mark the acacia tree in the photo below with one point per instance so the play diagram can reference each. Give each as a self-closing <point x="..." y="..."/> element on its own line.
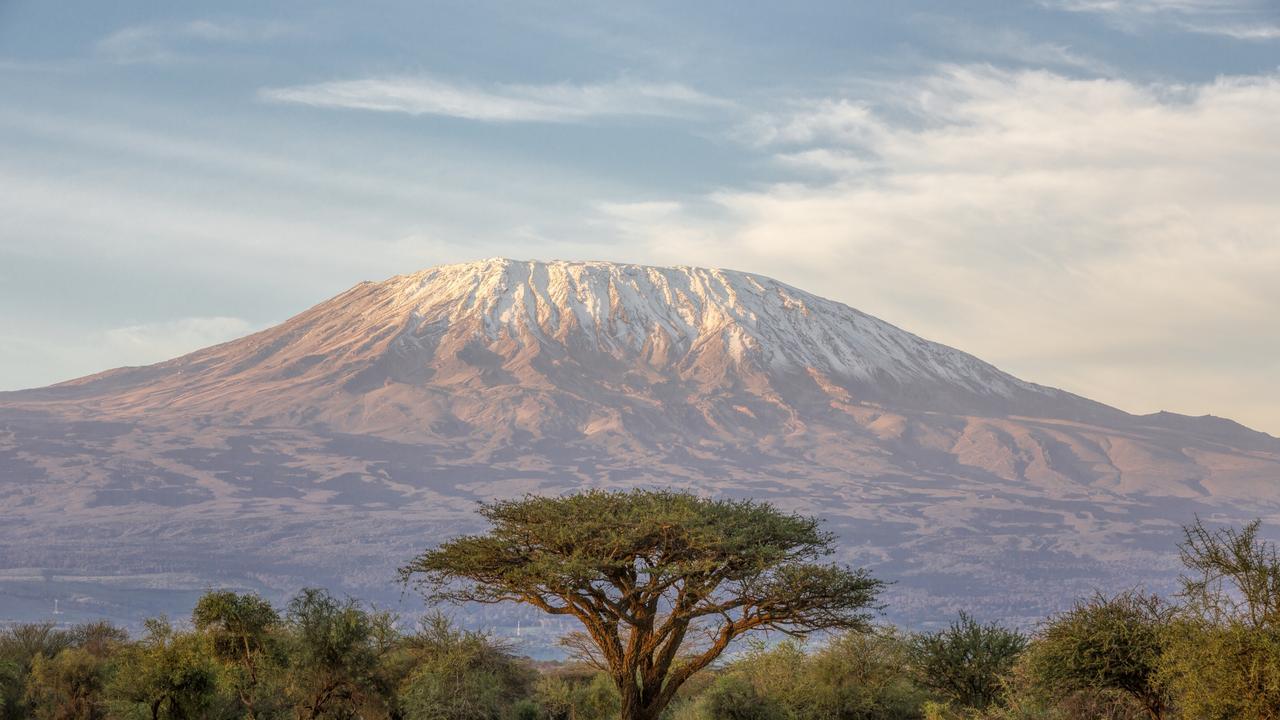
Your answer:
<point x="1222" y="654"/>
<point x="335" y="653"/>
<point x="967" y="661"/>
<point x="1106" y="644"/>
<point x="646" y="571"/>
<point x="67" y="686"/>
<point x="1234" y="575"/>
<point x="240" y="629"/>
<point x="166" y="676"/>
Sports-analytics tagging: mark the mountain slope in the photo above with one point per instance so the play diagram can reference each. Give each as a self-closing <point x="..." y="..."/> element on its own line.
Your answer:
<point x="332" y="446"/>
<point x="588" y="328"/>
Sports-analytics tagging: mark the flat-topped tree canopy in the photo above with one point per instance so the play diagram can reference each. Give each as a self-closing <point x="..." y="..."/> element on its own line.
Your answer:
<point x="644" y="571"/>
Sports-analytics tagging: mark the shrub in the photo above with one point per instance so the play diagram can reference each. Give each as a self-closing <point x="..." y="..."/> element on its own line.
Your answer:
<point x="460" y="675"/>
<point x="965" y="663"/>
<point x="67" y="686"/>
<point x="1104" y="646"/>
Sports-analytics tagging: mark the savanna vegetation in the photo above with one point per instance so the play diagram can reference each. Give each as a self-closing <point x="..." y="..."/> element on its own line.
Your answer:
<point x="690" y="609"/>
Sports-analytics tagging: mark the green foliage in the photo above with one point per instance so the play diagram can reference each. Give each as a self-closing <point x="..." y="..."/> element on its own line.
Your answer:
<point x="335" y="652"/>
<point x="864" y="675"/>
<point x="22" y="643"/>
<point x="238" y="626"/>
<point x="856" y="676"/>
<point x="568" y="697"/>
<point x="169" y="675"/>
<point x="460" y="675"/>
<point x="10" y="682"/>
<point x="1222" y="656"/>
<point x="20" y="646"/>
<point x="525" y="709"/>
<point x="643" y="570"/>
<point x="1227" y="670"/>
<point x="637" y="574"/>
<point x="1105" y="644"/>
<point x="99" y="638"/>
<point x="966" y="663"/>
<point x="1233" y="576"/>
<point x="68" y="686"/>
<point x="733" y="697"/>
<point x="242" y="634"/>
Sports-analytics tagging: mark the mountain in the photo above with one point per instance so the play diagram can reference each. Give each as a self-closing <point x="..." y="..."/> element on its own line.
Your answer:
<point x="330" y="448"/>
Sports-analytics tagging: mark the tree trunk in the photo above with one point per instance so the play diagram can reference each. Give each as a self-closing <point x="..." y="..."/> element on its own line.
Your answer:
<point x="633" y="707"/>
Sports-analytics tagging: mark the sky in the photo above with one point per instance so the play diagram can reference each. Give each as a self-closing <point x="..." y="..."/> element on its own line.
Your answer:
<point x="1085" y="193"/>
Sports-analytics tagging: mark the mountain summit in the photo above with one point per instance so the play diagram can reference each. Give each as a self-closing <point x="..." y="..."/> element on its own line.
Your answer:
<point x="421" y="352"/>
<point x="332" y="447"/>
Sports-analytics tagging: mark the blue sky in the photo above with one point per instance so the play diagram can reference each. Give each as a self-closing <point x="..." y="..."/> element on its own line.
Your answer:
<point x="1083" y="192"/>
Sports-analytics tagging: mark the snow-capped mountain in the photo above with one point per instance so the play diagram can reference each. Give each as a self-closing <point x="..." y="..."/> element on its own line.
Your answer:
<point x="329" y="448"/>
<point x="377" y="356"/>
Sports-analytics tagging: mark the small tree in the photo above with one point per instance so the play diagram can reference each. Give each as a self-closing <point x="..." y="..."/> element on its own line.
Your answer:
<point x="10" y="684"/>
<point x="1233" y="575"/>
<point x="334" y="669"/>
<point x="1222" y="654"/>
<point x="460" y="675"/>
<point x="644" y="571"/>
<point x="67" y="686"/>
<point x="98" y="638"/>
<point x="20" y="646"/>
<point x="855" y="676"/>
<point x="240" y="631"/>
<point x="1105" y="644"/>
<point x="733" y="697"/>
<point x="569" y="696"/>
<point x="167" y="676"/>
<point x="965" y="663"/>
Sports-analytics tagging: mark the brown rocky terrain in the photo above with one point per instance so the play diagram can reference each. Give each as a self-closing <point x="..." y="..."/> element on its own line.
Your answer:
<point x="326" y="450"/>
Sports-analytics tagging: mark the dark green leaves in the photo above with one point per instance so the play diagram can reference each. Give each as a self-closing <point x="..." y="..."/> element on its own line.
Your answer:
<point x="965" y="663"/>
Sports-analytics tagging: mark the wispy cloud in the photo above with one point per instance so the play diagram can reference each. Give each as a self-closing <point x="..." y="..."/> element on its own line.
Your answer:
<point x="1237" y="31"/>
<point x="560" y="102"/>
<point x="1075" y="231"/>
<point x="1239" y="19"/>
<point x="1009" y="44"/>
<point x="152" y="342"/>
<point x="166" y="42"/>
<point x="38" y="357"/>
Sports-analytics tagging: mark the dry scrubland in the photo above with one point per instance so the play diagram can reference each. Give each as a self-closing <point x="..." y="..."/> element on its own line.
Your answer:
<point x="1212" y="651"/>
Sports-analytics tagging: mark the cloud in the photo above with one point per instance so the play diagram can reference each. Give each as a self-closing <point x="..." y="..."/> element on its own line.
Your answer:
<point x="1073" y="231"/>
<point x="153" y="43"/>
<point x="561" y="102"/>
<point x="147" y="343"/>
<point x="1149" y="6"/>
<point x="1009" y="44"/>
<point x="1238" y="19"/>
<point x="1237" y="31"/>
<point x="34" y="356"/>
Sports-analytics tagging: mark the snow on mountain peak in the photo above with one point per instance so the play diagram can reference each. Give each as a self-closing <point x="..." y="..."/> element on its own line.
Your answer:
<point x="627" y="310"/>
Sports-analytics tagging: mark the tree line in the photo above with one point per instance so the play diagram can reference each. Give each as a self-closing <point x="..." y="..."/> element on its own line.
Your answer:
<point x="662" y="585"/>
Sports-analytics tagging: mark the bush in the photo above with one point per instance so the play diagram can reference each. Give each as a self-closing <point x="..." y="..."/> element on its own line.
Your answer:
<point x="1104" y="646"/>
<point x="67" y="687"/>
<point x="856" y="675"/>
<point x="1222" y="656"/>
<point x="732" y="697"/>
<point x="20" y="645"/>
<point x="569" y="697"/>
<point x="966" y="662"/>
<point x="169" y="675"/>
<point x="335" y="654"/>
<point x="460" y="675"/>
